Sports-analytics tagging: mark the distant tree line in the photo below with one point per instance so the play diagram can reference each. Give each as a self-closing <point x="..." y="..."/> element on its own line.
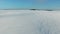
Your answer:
<point x="43" y="9"/>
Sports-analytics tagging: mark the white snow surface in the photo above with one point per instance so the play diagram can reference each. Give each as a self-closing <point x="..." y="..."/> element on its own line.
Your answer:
<point x="29" y="22"/>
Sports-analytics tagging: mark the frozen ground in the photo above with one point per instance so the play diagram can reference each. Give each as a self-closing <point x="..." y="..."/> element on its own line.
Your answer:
<point x="29" y="22"/>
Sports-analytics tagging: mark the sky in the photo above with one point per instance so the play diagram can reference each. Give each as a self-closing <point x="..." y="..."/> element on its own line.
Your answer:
<point x="29" y="4"/>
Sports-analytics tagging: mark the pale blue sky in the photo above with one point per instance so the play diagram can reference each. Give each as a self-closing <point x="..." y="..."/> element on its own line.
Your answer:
<point x="38" y="4"/>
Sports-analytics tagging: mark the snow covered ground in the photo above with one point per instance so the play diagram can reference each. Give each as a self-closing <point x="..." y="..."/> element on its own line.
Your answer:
<point x="29" y="22"/>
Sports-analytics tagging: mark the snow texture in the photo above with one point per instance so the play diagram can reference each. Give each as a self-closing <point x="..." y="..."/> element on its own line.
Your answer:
<point x="29" y="22"/>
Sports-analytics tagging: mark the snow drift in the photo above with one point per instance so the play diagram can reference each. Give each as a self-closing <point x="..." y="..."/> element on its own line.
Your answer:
<point x="29" y="22"/>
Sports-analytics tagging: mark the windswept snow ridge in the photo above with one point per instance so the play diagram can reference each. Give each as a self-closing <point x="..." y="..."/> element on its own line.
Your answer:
<point x="29" y="22"/>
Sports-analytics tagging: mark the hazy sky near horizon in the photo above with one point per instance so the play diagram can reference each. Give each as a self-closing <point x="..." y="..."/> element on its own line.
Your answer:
<point x="38" y="4"/>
